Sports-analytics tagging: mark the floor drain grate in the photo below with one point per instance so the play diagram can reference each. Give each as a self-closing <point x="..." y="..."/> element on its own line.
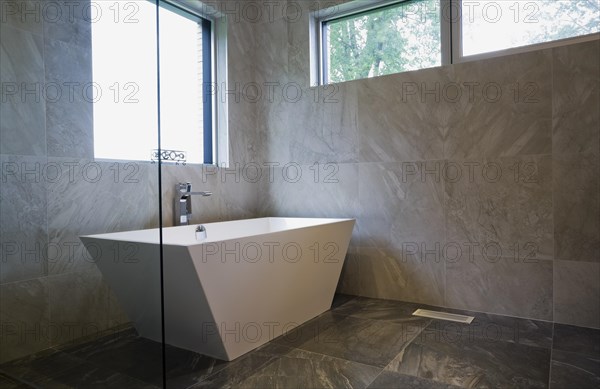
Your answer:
<point x="443" y="316"/>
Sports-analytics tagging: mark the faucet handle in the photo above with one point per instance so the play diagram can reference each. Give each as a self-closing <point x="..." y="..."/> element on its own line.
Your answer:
<point x="184" y="187"/>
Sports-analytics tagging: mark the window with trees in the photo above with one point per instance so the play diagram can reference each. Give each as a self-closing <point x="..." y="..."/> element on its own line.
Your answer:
<point x="363" y="39"/>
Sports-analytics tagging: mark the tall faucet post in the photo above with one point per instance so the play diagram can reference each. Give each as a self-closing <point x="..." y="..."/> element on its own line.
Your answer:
<point x="183" y="202"/>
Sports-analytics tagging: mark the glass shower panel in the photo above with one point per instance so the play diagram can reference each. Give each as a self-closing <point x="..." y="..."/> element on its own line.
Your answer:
<point x="78" y="127"/>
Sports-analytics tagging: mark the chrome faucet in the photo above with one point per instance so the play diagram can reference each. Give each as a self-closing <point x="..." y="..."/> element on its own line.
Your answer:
<point x="183" y="202"/>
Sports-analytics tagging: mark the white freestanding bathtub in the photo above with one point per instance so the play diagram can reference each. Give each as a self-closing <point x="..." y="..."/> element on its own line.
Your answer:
<point x="248" y="282"/>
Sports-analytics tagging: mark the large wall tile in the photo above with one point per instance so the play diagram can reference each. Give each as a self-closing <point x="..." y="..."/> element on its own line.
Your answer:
<point x="23" y="114"/>
<point x="71" y="22"/>
<point x="323" y="190"/>
<point x="399" y="120"/>
<point x="24" y="316"/>
<point x="506" y="107"/>
<point x="576" y="188"/>
<point x="500" y="285"/>
<point x="78" y="304"/>
<point x="501" y="206"/>
<point x="69" y="114"/>
<point x="92" y="198"/>
<point x="23" y="231"/>
<point x="576" y="98"/>
<point x="389" y="273"/>
<point x="322" y="125"/>
<point x="576" y="293"/>
<point x="24" y="14"/>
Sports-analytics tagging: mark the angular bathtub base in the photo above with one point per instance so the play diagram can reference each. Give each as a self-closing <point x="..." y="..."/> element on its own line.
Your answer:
<point x="249" y="282"/>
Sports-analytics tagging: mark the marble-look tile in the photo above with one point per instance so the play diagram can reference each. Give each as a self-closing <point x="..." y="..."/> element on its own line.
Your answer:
<point x="69" y="22"/>
<point x="271" y="60"/>
<point x="116" y="315"/>
<point x="319" y="190"/>
<point x="238" y="198"/>
<point x="340" y="299"/>
<point x="23" y="124"/>
<point x="349" y="281"/>
<point x="377" y="309"/>
<point x="402" y="208"/>
<point x="570" y="370"/>
<point x="372" y="342"/>
<point x="24" y="14"/>
<point x="303" y="369"/>
<point x="77" y="315"/>
<point x="576" y="293"/>
<point x="41" y="366"/>
<point x="243" y="367"/>
<point x="313" y="329"/>
<point x="575" y="339"/>
<point x="323" y="125"/>
<point x="495" y="328"/>
<point x="393" y="380"/>
<point x="23" y="231"/>
<point x="575" y="98"/>
<point x="505" y="108"/>
<point x="576" y="191"/>
<point x="89" y="375"/>
<point x="308" y="125"/>
<point x="398" y="122"/>
<point x="389" y="273"/>
<point x="7" y="382"/>
<point x="500" y="208"/>
<point x="89" y="197"/>
<point x="130" y="355"/>
<point x="272" y="119"/>
<point x="501" y="286"/>
<point x="242" y="135"/>
<point x="474" y="363"/>
<point x="69" y="117"/>
<point x="25" y="318"/>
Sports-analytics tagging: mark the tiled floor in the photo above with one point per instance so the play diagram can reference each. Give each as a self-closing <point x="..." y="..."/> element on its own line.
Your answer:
<point x="360" y="343"/>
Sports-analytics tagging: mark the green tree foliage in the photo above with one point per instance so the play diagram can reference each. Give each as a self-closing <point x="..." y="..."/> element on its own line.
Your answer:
<point x="394" y="39"/>
<point x="406" y="36"/>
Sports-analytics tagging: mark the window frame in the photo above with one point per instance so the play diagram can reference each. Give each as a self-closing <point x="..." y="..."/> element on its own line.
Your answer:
<point x="214" y="23"/>
<point x="450" y="35"/>
<point x="318" y="19"/>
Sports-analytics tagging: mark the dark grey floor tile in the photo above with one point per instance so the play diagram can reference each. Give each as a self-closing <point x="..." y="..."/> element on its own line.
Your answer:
<point x="393" y="380"/>
<point x="7" y="382"/>
<point x="574" y="371"/>
<point x="577" y="339"/>
<point x="376" y="309"/>
<point x="312" y="329"/>
<point x="89" y="376"/>
<point x="39" y="366"/>
<point x="340" y="299"/>
<point x="243" y="367"/>
<point x="133" y="356"/>
<point x="303" y="369"/>
<point x="474" y="363"/>
<point x="186" y="368"/>
<point x="372" y="342"/>
<point x="496" y="327"/>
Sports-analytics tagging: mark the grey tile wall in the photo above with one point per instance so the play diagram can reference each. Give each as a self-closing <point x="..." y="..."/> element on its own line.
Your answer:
<point x="389" y="152"/>
<point x="503" y="158"/>
<point x="52" y="190"/>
